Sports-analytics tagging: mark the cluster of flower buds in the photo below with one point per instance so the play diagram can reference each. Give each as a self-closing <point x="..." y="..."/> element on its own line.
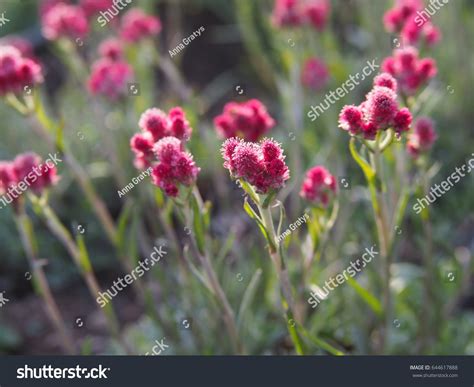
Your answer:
<point x="93" y="7"/>
<point x="175" y="166"/>
<point x="319" y="186"/>
<point x="17" y="71"/>
<point x="422" y="138"/>
<point x="137" y="25"/>
<point x="409" y="18"/>
<point x="315" y="74"/>
<point x="291" y="13"/>
<point x="26" y="171"/>
<point x="62" y="20"/>
<point x="409" y="70"/>
<point x="378" y="112"/>
<point x="262" y="165"/>
<point x="110" y="78"/>
<point x="111" y="48"/>
<point x="155" y="125"/>
<point x="248" y="120"/>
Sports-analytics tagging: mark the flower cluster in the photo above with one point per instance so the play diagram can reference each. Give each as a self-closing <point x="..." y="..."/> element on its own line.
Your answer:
<point x="64" y="21"/>
<point x="110" y="78"/>
<point x="155" y="125"/>
<point x="379" y="111"/>
<point x="410" y="71"/>
<point x="111" y="48"/>
<point x="16" y="71"/>
<point x="404" y="18"/>
<point x="137" y="25"/>
<point x="261" y="165"/>
<point x="422" y="138"/>
<point x="289" y="13"/>
<point x="175" y="166"/>
<point x="315" y="74"/>
<point x="93" y="7"/>
<point x="21" y="44"/>
<point x="249" y="120"/>
<point x="318" y="186"/>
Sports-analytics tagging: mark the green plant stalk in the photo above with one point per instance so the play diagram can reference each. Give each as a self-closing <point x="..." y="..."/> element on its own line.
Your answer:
<point x="41" y="283"/>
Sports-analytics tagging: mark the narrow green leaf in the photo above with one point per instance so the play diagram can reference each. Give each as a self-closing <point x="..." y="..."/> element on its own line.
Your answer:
<point x="248" y="297"/>
<point x="365" y="166"/>
<point x="368" y="297"/>
<point x="84" y="261"/>
<point x="250" y="211"/>
<point x="122" y="226"/>
<point x="198" y="225"/>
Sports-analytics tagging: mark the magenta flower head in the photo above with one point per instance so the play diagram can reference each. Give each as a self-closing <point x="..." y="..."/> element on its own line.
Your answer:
<point x="175" y="167"/>
<point x="110" y="78"/>
<point x="248" y="120"/>
<point x="8" y="176"/>
<point x="21" y="44"/>
<point x="315" y="74"/>
<point x="410" y="72"/>
<point x="261" y="165"/>
<point x="423" y="137"/>
<point x="93" y="7"/>
<point x="112" y="49"/>
<point x="378" y="112"/>
<point x="30" y="169"/>
<point x="287" y="13"/>
<point x="64" y="21"/>
<point x="137" y="25"/>
<point x="16" y="71"/>
<point x="319" y="186"/>
<point x="316" y="12"/>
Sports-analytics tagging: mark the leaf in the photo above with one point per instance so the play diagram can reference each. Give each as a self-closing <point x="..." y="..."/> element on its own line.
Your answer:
<point x="247" y="298"/>
<point x="198" y="225"/>
<point x="122" y="226"/>
<point x="365" y="166"/>
<point x="84" y="261"/>
<point x="368" y="297"/>
<point x="250" y="211"/>
<point x="321" y="343"/>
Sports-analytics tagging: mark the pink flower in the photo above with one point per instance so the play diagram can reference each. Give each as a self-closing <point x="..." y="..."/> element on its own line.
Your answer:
<point x="249" y="120"/>
<point x="286" y="13"/>
<point x="111" y="48"/>
<point x="317" y="12"/>
<point x="137" y="25"/>
<point x="21" y="44"/>
<point x="110" y="78"/>
<point x="318" y="186"/>
<point x="63" y="20"/>
<point x="291" y="13"/>
<point x="17" y="72"/>
<point x="30" y="169"/>
<point x="315" y="74"/>
<point x="423" y="137"/>
<point x="175" y="167"/>
<point x="410" y="72"/>
<point x="261" y="165"/>
<point x="8" y="176"/>
<point x="93" y="7"/>
<point x="378" y="112"/>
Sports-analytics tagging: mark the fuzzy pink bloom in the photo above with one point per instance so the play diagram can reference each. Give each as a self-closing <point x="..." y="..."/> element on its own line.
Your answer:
<point x="137" y="25"/>
<point x="381" y="106"/>
<point x="110" y="78"/>
<point x="318" y="186"/>
<point x="386" y="80"/>
<point x="21" y="44"/>
<point x="315" y="74"/>
<point x="175" y="166"/>
<point x="317" y="12"/>
<point x="287" y="13"/>
<point x="351" y="119"/>
<point x="261" y="165"/>
<point x="111" y="48"/>
<point x="249" y="120"/>
<point x="432" y="34"/>
<point x="292" y="13"/>
<point x="409" y="70"/>
<point x="402" y="120"/>
<point x="30" y="169"/>
<point x="63" y="20"/>
<point x="93" y="7"/>
<point x="423" y="137"/>
<point x="17" y="72"/>
<point x="8" y="176"/>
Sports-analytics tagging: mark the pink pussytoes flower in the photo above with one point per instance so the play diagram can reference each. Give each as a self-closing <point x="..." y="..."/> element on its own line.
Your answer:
<point x="315" y="74"/>
<point x="316" y="12"/>
<point x="248" y="120"/>
<point x="262" y="165"/>
<point x="93" y="7"/>
<point x="293" y="13"/>
<point x="16" y="71"/>
<point x="110" y="78"/>
<point x="175" y="166"/>
<point x="30" y="169"/>
<point x="422" y="138"/>
<point x="409" y="70"/>
<point x="21" y="44"/>
<point x="111" y="48"/>
<point x="378" y="112"/>
<point x="137" y="25"/>
<point x="286" y="13"/>
<point x="64" y="21"/>
<point x="8" y="176"/>
<point x="319" y="186"/>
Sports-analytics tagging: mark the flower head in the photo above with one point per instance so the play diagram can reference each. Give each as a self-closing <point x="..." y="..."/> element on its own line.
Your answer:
<point x="291" y="13"/>
<point x="110" y="78"/>
<point x="175" y="167"/>
<point x="8" y="176"/>
<point x="261" y="165"/>
<point x="36" y="174"/>
<point x="286" y="13"/>
<point x="318" y="186"/>
<point x="317" y="12"/>
<point x="93" y="7"/>
<point x="315" y="74"/>
<point x="249" y="120"/>
<point x="112" y="49"/>
<point x="64" y="20"/>
<point x="16" y="71"/>
<point x="137" y="25"/>
<point x="423" y="137"/>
